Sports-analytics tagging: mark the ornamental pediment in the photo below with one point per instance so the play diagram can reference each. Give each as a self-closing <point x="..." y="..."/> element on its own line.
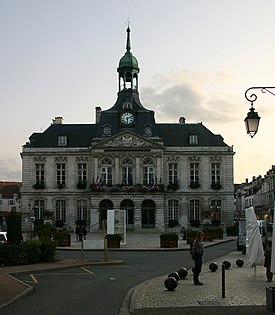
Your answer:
<point x="127" y="139"/>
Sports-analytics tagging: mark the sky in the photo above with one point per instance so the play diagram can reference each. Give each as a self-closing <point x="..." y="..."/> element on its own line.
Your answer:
<point x="197" y="58"/>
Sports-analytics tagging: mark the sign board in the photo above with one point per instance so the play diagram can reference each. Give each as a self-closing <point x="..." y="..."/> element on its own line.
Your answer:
<point x="116" y="223"/>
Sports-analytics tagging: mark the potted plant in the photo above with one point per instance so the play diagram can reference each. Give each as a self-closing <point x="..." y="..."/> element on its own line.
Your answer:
<point x="39" y="185"/>
<point x="82" y="184"/>
<point x="62" y="238"/>
<point x="114" y="240"/>
<point x="216" y="186"/>
<point x="195" y="223"/>
<point x="173" y="186"/>
<point x="169" y="240"/>
<point x="194" y="185"/>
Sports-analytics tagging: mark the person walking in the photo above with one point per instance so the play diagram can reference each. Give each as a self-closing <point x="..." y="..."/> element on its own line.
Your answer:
<point x="267" y="261"/>
<point x="197" y="253"/>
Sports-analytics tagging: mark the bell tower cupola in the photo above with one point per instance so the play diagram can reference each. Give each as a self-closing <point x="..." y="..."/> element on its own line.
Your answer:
<point x="128" y="69"/>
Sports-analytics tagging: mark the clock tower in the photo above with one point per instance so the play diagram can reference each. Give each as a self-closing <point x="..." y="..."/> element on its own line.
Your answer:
<point x="127" y="112"/>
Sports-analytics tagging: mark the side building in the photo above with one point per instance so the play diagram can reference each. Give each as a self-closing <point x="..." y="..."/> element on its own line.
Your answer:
<point x="160" y="173"/>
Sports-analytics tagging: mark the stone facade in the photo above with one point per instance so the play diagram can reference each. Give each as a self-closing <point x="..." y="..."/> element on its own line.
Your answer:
<point x="159" y="173"/>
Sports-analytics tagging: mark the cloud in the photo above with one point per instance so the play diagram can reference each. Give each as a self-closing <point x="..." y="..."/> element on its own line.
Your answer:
<point x="191" y="95"/>
<point x="10" y="169"/>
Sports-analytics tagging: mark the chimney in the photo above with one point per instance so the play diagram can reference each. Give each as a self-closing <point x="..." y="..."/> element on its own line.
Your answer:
<point x="182" y="120"/>
<point x="97" y="114"/>
<point x="58" y="121"/>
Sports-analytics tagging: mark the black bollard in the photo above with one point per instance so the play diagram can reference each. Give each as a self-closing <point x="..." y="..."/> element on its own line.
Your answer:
<point x="223" y="281"/>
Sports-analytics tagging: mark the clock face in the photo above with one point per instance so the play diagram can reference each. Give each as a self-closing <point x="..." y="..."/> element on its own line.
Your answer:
<point x="127" y="118"/>
<point x="107" y="130"/>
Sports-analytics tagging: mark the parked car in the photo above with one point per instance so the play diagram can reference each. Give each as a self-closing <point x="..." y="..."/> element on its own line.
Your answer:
<point x="3" y="238"/>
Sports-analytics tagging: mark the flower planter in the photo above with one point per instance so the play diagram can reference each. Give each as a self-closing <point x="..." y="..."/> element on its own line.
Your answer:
<point x="168" y="243"/>
<point x="113" y="243"/>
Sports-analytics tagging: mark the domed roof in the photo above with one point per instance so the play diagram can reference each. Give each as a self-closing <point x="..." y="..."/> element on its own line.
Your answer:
<point x="128" y="60"/>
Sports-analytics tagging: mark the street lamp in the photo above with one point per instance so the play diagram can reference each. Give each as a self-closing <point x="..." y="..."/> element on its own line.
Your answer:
<point x="252" y="119"/>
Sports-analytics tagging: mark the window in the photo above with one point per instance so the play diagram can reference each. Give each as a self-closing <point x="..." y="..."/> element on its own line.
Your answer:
<point x="216" y="206"/>
<point x="148" y="172"/>
<point x="194" y="210"/>
<point x="194" y="173"/>
<point x="173" y="210"/>
<point x="82" y="212"/>
<point x="11" y="202"/>
<point x="82" y="172"/>
<point x="39" y="173"/>
<point x="39" y="207"/>
<point x="60" y="173"/>
<point x="215" y="173"/>
<point x="62" y="141"/>
<point x="193" y="139"/>
<point x="106" y="172"/>
<point x="127" y="172"/>
<point x="172" y="173"/>
<point x="60" y="210"/>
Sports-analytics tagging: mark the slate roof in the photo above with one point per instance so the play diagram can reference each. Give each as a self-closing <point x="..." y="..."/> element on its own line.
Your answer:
<point x="82" y="135"/>
<point x="8" y="191"/>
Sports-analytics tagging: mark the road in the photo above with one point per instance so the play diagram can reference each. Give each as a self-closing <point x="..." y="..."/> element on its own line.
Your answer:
<point x="100" y="290"/>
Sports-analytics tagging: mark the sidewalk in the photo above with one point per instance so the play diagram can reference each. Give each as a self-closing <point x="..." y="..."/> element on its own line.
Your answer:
<point x="245" y="291"/>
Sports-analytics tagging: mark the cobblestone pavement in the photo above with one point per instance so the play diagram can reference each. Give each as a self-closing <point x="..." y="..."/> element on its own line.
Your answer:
<point x="245" y="289"/>
<point x="245" y="292"/>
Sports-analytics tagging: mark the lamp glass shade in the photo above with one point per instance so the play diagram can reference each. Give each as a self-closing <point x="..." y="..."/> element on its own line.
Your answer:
<point x="252" y="122"/>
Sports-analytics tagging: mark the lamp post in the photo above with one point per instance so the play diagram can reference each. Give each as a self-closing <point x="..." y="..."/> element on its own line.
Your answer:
<point x="252" y="119"/>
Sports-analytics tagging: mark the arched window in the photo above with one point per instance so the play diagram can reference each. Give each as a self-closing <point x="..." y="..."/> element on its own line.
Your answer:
<point x="60" y="210"/>
<point x="39" y="207"/>
<point x="127" y="172"/>
<point x="194" y="210"/>
<point x="216" y="209"/>
<point x="148" y="173"/>
<point x="173" y="210"/>
<point x="82" y="210"/>
<point x="106" y="172"/>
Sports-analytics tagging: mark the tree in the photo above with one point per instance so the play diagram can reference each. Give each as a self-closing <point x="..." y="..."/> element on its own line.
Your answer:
<point x="14" y="228"/>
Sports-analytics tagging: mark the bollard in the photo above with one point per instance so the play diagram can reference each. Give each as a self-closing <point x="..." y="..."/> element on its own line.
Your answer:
<point x="183" y="273"/>
<point x="170" y="284"/>
<point x="223" y="281"/>
<point x="213" y="266"/>
<point x="175" y="275"/>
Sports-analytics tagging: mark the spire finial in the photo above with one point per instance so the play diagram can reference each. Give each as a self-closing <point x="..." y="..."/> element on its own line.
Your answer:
<point x="128" y="44"/>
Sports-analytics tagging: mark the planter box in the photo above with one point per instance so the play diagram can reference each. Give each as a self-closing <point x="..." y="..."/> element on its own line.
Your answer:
<point x="113" y="243"/>
<point x="168" y="243"/>
<point x="65" y="241"/>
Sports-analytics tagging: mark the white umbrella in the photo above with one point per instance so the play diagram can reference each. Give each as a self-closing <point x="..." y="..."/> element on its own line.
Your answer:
<point x="272" y="267"/>
<point x="254" y="246"/>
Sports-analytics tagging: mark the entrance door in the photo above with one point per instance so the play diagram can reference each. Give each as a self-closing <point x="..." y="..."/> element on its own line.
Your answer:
<point x="148" y="214"/>
<point x="104" y="205"/>
<point x="128" y="205"/>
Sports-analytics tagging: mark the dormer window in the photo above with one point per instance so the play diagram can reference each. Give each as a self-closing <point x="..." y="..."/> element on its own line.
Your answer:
<point x="127" y="105"/>
<point x="62" y="141"/>
<point x="193" y="139"/>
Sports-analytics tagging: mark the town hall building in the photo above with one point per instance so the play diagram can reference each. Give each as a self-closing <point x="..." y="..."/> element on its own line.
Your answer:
<point x="162" y="174"/>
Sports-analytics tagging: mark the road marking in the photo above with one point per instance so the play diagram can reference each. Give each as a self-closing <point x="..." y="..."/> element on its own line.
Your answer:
<point x="34" y="279"/>
<point x="89" y="271"/>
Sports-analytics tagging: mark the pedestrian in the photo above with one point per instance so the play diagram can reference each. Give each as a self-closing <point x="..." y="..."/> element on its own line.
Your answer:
<point x="197" y="253"/>
<point x="183" y="233"/>
<point x="267" y="261"/>
<point x="84" y="232"/>
<point x="80" y="233"/>
<point x="77" y="233"/>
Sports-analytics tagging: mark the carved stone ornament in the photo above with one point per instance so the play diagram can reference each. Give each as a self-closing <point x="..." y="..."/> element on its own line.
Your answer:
<point x="39" y="159"/>
<point x="81" y="159"/>
<point x="127" y="141"/>
<point x="60" y="159"/>
<point x="172" y="158"/>
<point x="194" y="158"/>
<point x="215" y="158"/>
